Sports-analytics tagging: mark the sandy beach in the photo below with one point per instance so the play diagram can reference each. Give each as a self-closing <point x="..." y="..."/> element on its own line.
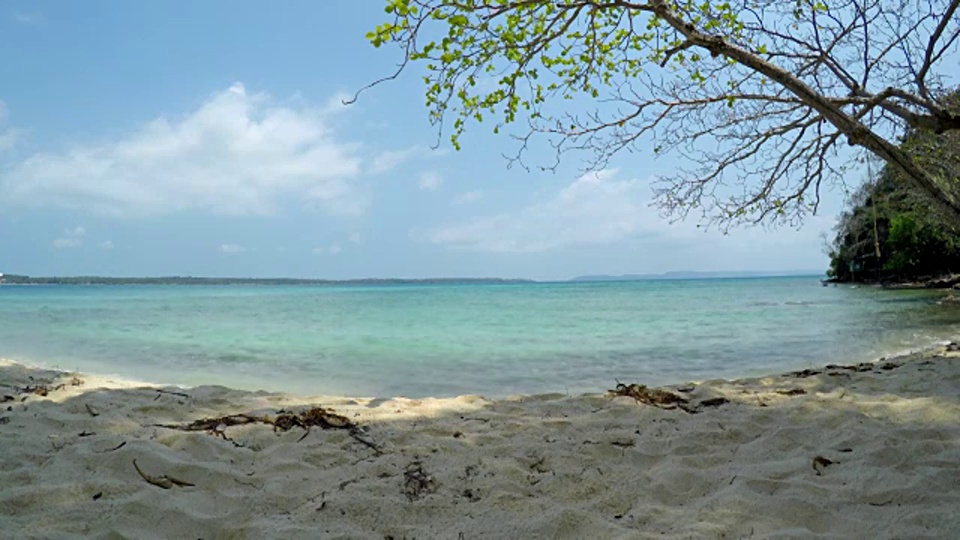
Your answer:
<point x="868" y="451"/>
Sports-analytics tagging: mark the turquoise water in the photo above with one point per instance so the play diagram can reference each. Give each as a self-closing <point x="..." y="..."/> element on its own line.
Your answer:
<point x="445" y="340"/>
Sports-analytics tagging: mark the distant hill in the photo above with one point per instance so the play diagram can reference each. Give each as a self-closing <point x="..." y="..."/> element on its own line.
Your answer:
<point x="696" y="275"/>
<point x="189" y="280"/>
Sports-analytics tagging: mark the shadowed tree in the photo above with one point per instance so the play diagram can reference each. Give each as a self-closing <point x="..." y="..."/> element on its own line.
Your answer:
<point x="759" y="97"/>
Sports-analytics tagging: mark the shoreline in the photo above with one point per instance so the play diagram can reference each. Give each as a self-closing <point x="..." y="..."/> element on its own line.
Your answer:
<point x="126" y="381"/>
<point x="832" y="452"/>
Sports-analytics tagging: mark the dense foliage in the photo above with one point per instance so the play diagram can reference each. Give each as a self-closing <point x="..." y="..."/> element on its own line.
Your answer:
<point x="891" y="232"/>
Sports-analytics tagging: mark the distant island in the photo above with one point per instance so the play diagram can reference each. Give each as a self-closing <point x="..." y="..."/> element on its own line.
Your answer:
<point x="13" y="279"/>
<point x="696" y="275"/>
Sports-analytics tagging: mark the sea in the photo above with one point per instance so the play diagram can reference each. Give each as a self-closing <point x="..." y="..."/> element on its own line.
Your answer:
<point x="450" y="339"/>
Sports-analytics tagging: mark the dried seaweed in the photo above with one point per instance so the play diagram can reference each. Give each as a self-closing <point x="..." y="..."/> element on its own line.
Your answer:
<point x="804" y="373"/>
<point x="657" y="397"/>
<point x="283" y="421"/>
<point x="217" y="424"/>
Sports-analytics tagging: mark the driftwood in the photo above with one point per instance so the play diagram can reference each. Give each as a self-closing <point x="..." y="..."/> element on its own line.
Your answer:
<point x="792" y="392"/>
<point x="162" y="481"/>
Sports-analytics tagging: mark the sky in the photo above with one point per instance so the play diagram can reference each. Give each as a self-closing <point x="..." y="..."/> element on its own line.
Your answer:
<point x="210" y="139"/>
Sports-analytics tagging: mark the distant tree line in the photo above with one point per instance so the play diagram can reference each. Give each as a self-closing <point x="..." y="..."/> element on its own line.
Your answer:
<point x="15" y="279"/>
<point x="891" y="231"/>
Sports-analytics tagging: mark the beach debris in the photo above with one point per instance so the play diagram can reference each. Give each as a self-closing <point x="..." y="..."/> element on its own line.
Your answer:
<point x="97" y="495"/>
<point x="41" y="389"/>
<point x="862" y="367"/>
<point x="792" y="392"/>
<point x="687" y="389"/>
<point x="418" y="483"/>
<point x="282" y="421"/>
<point x="76" y="381"/>
<point x="216" y="425"/>
<point x="162" y="481"/>
<point x="953" y="346"/>
<point x="93" y="412"/>
<point x="115" y="448"/>
<point x="657" y="397"/>
<point x="664" y="399"/>
<point x="820" y="463"/>
<point x="804" y="373"/>
<point x="86" y="433"/>
<point x="161" y="391"/>
<point x="713" y="402"/>
<point x="890" y="365"/>
<point x="5" y="398"/>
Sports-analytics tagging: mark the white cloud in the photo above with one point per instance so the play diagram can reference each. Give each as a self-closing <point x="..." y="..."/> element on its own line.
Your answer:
<point x="238" y="153"/>
<point x="28" y="18"/>
<point x="430" y="181"/>
<point x="106" y="245"/>
<point x="391" y="159"/>
<point x="596" y="208"/>
<point x="8" y="137"/>
<point x="601" y="209"/>
<point x="355" y="238"/>
<point x="70" y="238"/>
<point x="468" y="197"/>
<point x="232" y="248"/>
<point x="333" y="249"/>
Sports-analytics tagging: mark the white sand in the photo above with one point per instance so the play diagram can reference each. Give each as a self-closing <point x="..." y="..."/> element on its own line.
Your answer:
<point x="531" y="467"/>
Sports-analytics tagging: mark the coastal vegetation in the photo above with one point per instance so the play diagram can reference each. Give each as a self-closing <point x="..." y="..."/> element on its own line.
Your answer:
<point x="890" y="231"/>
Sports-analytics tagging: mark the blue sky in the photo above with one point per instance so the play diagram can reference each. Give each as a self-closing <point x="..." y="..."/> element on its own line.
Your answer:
<point x="149" y="138"/>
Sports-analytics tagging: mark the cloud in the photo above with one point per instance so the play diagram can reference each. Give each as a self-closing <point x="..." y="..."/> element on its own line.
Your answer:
<point x="391" y="159"/>
<point x="333" y="249"/>
<point x="237" y="154"/>
<point x="430" y="181"/>
<point x="596" y="208"/>
<point x="28" y="18"/>
<point x="106" y="245"/>
<point x="10" y="136"/>
<point x="70" y="238"/>
<point x="232" y="248"/>
<point x="468" y="197"/>
<point x="355" y="238"/>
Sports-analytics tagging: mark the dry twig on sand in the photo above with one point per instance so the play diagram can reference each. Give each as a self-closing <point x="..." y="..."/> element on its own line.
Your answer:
<point x="162" y="481"/>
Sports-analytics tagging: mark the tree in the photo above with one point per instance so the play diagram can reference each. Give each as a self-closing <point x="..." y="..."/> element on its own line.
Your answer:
<point x="888" y="231"/>
<point x="760" y="96"/>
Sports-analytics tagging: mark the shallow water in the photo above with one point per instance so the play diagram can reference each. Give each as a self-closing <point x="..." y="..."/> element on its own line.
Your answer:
<point x="444" y="340"/>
